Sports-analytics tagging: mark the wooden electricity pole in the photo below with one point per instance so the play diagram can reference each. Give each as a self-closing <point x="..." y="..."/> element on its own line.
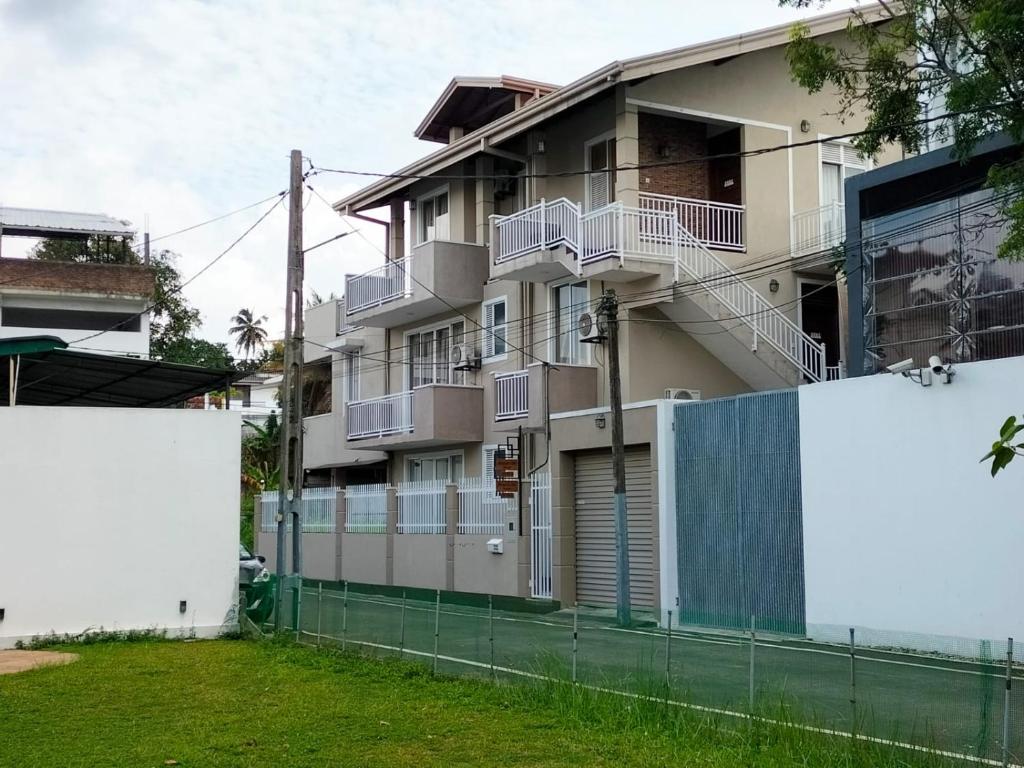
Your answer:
<point x="290" y="495"/>
<point x="609" y="310"/>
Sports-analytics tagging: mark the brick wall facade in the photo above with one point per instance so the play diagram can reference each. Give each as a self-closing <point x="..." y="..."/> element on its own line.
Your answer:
<point x="70" y="277"/>
<point x="682" y="139"/>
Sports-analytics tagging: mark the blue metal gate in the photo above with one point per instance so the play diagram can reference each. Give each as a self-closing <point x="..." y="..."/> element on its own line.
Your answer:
<point x="739" y="513"/>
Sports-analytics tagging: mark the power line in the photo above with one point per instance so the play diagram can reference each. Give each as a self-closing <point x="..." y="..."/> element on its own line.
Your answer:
<point x="665" y="163"/>
<point x="177" y="289"/>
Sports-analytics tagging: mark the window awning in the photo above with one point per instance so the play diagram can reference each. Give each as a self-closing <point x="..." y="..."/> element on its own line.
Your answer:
<point x="47" y="373"/>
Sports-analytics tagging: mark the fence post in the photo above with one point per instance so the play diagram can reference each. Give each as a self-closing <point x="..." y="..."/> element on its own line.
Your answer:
<point x="490" y="631"/>
<point x="319" y="605"/>
<point x="853" y="685"/>
<point x="1006" y="701"/>
<point x="753" y="643"/>
<point x="298" y="607"/>
<point x="668" y="657"/>
<point x="344" y="618"/>
<point x="401" y="631"/>
<point x="575" y="619"/>
<point x="437" y="626"/>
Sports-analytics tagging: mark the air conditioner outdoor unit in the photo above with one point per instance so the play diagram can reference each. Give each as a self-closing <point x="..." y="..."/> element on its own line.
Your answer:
<point x="592" y="330"/>
<point x="463" y="357"/>
<point x="675" y="393"/>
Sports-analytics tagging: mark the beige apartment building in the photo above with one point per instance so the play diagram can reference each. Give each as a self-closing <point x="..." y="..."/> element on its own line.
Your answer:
<point x="649" y="177"/>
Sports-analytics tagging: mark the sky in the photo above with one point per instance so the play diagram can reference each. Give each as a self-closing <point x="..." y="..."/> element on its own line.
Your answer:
<point x="175" y="112"/>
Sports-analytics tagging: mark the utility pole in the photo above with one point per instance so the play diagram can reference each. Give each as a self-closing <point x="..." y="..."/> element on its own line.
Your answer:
<point x="290" y="495"/>
<point x="609" y="310"/>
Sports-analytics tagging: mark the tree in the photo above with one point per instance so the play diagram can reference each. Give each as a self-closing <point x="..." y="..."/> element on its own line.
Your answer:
<point x="315" y="299"/>
<point x="250" y="334"/>
<point x="965" y="54"/>
<point x="260" y="455"/>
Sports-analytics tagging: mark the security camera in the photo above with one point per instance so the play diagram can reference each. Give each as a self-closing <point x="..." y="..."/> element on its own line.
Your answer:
<point x="901" y="367"/>
<point x="936" y="364"/>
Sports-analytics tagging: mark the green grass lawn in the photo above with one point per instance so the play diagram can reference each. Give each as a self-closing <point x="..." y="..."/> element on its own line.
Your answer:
<point x="264" y="703"/>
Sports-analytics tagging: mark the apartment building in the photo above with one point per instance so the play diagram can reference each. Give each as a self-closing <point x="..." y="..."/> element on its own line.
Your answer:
<point x="656" y="177"/>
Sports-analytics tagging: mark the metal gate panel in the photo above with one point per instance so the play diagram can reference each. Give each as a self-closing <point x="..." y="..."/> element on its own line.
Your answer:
<point x="595" y="528"/>
<point x="540" y="535"/>
<point x="739" y="514"/>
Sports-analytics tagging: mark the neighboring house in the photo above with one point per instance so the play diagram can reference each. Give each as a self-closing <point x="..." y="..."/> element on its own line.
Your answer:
<point x="924" y="277"/>
<point x="74" y="301"/>
<point x="469" y="335"/>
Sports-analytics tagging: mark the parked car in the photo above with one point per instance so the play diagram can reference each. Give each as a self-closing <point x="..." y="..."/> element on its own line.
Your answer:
<point x="250" y="567"/>
<point x="256" y="584"/>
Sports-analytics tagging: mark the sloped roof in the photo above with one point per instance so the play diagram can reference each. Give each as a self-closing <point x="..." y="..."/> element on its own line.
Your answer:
<point x="514" y="123"/>
<point x="50" y="374"/>
<point x="39" y="222"/>
<point x="473" y="102"/>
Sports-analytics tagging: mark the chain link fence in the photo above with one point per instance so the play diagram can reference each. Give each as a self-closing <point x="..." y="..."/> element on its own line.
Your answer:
<point x="963" y="703"/>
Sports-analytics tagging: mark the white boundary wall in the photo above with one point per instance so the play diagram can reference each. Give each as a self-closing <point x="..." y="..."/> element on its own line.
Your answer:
<point x="903" y="529"/>
<point x="109" y="517"/>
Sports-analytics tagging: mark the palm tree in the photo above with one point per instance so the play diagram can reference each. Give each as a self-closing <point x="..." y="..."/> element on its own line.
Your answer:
<point x="250" y="333"/>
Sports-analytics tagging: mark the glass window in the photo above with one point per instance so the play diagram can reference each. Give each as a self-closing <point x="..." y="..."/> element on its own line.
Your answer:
<point x="433" y="217"/>
<point x="933" y="284"/>
<point x="429" y="356"/>
<point x="352" y="377"/>
<point x="569" y="301"/>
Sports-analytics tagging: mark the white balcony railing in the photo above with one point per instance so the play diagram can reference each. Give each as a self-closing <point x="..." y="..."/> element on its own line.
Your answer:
<point x="379" y="416"/>
<point x="511" y="398"/>
<point x="819" y="229"/>
<point x="616" y="231"/>
<point x="387" y="282"/>
<point x="543" y="225"/>
<point x="715" y="225"/>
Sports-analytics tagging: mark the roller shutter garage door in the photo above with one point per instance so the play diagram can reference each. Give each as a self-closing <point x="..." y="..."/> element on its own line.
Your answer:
<point x="595" y="527"/>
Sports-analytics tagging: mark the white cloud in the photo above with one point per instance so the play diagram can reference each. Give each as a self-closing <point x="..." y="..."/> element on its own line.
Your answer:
<point x="182" y="111"/>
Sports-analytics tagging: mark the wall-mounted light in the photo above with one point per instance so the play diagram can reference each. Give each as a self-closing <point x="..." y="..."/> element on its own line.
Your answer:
<point x="182" y="606"/>
<point x="599" y="421"/>
<point x="664" y="150"/>
<point x="805" y="126"/>
<point x="773" y="285"/>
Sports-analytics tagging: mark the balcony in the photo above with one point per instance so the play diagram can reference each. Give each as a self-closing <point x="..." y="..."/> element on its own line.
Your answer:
<point x="557" y="239"/>
<point x="324" y="444"/>
<point x="521" y="394"/>
<point x="431" y="415"/>
<point x="819" y="229"/>
<point x="436" y="277"/>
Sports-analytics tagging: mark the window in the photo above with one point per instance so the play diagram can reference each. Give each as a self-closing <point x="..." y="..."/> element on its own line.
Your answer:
<point x="569" y="301"/>
<point x="429" y="355"/>
<point x="838" y="162"/>
<point x="434" y="467"/>
<point x="600" y="186"/>
<point x="433" y="216"/>
<point x="352" y="377"/>
<point x="71" y="319"/>
<point x="495" y="341"/>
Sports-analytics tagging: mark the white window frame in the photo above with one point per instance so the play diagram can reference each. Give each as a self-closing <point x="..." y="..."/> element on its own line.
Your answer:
<point x="553" y="309"/>
<point x="488" y="342"/>
<point x="352" y="373"/>
<point x="436" y="455"/>
<point x="421" y="229"/>
<point x="847" y="147"/>
<point x="599" y="139"/>
<point x="433" y="328"/>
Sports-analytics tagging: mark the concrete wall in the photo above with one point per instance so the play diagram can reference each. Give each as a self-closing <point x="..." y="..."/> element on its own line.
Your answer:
<point x="364" y="558"/>
<point x="126" y="342"/>
<point x="421" y="560"/>
<point x="112" y="516"/>
<point x="903" y="529"/>
<point x="319" y="553"/>
<point x="477" y="570"/>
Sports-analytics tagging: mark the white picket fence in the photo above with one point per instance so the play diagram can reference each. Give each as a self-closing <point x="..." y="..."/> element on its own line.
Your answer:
<point x="481" y="510"/>
<point x="421" y="506"/>
<point x="366" y="508"/>
<point x="318" y="510"/>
